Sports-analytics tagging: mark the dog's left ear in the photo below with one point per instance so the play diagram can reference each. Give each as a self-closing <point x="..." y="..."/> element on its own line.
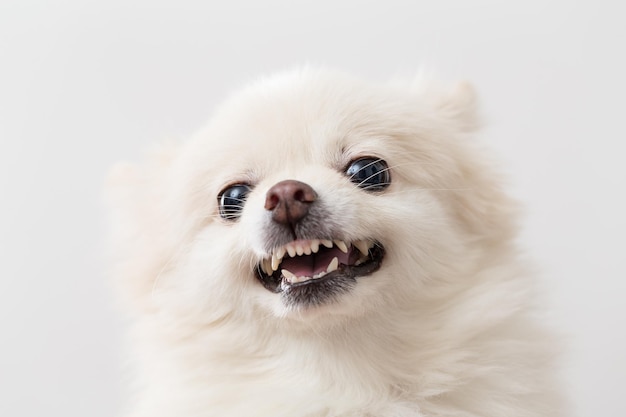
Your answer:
<point x="460" y="106"/>
<point x="140" y="242"/>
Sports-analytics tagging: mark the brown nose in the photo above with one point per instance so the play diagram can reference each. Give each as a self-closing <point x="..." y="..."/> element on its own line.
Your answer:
<point x="289" y="201"/>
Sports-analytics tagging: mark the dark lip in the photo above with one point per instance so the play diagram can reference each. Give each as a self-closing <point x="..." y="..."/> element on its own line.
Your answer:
<point x="320" y="290"/>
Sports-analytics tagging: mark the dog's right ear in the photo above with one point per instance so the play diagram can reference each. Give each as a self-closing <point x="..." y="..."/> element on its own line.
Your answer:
<point x="460" y="106"/>
<point x="136" y="195"/>
<point x="455" y="105"/>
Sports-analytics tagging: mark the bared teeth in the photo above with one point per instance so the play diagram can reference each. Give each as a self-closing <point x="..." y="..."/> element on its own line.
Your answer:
<point x="333" y="265"/>
<point x="280" y="253"/>
<point x="362" y="246"/>
<point x="275" y="263"/>
<point x="288" y="275"/>
<point x="292" y="278"/>
<point x="319" y="275"/>
<point x="300" y="248"/>
<point x="341" y="245"/>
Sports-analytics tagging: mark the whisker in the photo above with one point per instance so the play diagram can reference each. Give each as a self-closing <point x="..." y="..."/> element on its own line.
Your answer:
<point x="372" y="176"/>
<point x="241" y="200"/>
<point x="374" y="186"/>
<point x="387" y="193"/>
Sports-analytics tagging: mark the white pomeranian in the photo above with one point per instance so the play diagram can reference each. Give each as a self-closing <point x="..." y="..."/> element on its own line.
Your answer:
<point x="327" y="247"/>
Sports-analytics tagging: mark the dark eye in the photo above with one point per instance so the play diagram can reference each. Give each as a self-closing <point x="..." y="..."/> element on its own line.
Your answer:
<point x="371" y="174"/>
<point x="231" y="200"/>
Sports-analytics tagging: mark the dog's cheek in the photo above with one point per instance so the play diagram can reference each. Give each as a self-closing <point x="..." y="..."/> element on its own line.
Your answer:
<point x="423" y="243"/>
<point x="212" y="278"/>
<point x="481" y="205"/>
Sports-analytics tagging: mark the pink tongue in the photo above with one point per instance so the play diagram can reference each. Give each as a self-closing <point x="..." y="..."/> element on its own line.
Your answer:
<point x="310" y="265"/>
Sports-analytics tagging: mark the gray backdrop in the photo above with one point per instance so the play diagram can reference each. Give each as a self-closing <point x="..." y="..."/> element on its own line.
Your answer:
<point x="86" y="83"/>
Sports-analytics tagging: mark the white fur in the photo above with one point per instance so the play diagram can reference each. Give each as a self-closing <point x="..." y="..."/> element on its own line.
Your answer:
<point x="446" y="326"/>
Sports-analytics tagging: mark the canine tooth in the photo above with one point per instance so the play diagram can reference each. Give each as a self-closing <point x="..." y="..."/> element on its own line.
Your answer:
<point x="327" y="243"/>
<point x="289" y="276"/>
<point x="291" y="250"/>
<point x="342" y="246"/>
<point x="333" y="265"/>
<point x="280" y="252"/>
<point x="315" y="245"/>
<point x="275" y="262"/>
<point x="362" y="246"/>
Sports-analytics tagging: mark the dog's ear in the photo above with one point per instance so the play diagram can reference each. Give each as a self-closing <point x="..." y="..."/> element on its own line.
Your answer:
<point x="136" y="198"/>
<point x="459" y="105"/>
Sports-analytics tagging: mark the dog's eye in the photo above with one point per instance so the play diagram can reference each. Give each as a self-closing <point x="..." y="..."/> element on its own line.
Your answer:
<point x="371" y="174"/>
<point x="231" y="201"/>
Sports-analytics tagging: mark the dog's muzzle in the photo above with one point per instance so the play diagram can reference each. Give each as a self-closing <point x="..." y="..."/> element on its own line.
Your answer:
<point x="308" y="270"/>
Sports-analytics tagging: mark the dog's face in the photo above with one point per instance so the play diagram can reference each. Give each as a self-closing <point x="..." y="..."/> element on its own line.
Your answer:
<point x="313" y="197"/>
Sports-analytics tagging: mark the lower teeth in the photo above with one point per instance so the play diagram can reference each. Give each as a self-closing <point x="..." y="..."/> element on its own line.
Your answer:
<point x="292" y="279"/>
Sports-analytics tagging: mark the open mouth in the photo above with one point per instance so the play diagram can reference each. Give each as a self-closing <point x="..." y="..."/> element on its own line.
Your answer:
<point x="306" y="270"/>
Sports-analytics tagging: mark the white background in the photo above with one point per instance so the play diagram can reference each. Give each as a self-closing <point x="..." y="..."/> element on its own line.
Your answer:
<point x="84" y="84"/>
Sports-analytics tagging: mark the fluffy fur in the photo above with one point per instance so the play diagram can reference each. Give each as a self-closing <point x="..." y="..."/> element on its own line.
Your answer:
<point x="445" y="327"/>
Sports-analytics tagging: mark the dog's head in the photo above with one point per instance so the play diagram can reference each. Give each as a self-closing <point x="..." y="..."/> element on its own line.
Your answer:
<point x="311" y="195"/>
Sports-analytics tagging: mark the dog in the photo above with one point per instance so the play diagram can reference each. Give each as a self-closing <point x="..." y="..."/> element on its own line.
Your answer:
<point x="329" y="247"/>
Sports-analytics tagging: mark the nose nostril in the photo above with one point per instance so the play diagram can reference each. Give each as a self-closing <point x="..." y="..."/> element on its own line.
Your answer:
<point x="271" y="201"/>
<point x="299" y="195"/>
